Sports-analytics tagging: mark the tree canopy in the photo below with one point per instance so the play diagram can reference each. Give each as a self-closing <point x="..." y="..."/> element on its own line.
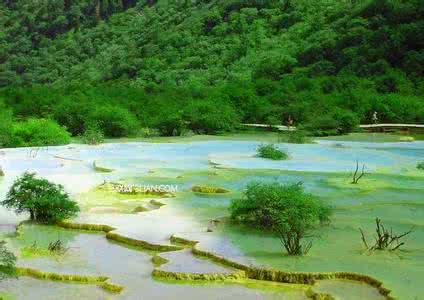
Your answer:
<point x="208" y="65"/>
<point x="43" y="200"/>
<point x="283" y="208"/>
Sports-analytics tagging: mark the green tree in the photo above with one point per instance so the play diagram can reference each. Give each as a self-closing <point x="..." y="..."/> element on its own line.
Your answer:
<point x="209" y="116"/>
<point x="286" y="209"/>
<point x="114" y="121"/>
<point x="38" y="132"/>
<point x="44" y="201"/>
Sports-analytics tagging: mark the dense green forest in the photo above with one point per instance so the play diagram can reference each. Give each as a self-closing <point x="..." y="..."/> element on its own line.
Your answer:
<point x="205" y="65"/>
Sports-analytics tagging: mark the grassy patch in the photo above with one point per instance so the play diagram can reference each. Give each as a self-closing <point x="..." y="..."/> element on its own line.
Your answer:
<point x="208" y="189"/>
<point x="365" y="184"/>
<point x="34" y="251"/>
<point x="5" y="296"/>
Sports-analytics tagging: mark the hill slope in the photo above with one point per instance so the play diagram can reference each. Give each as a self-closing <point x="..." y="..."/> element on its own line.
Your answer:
<point x="261" y="60"/>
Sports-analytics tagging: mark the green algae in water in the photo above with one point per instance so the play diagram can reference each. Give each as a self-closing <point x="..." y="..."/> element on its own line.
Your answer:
<point x="34" y="251"/>
<point x="5" y="296"/>
<point x="208" y="189"/>
<point x="42" y="235"/>
<point x="347" y="290"/>
<point x="339" y="246"/>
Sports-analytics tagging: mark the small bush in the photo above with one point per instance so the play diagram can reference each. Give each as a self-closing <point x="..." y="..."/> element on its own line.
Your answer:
<point x="115" y="121"/>
<point x="347" y="121"/>
<point x="271" y="152"/>
<point x="285" y="209"/>
<point x="45" y="201"/>
<point x="147" y="132"/>
<point x="420" y="165"/>
<point x="38" y="132"/>
<point x="170" y="124"/>
<point x="297" y="137"/>
<point x="336" y="123"/>
<point x="7" y="262"/>
<point x="93" y="135"/>
<point x="322" y="126"/>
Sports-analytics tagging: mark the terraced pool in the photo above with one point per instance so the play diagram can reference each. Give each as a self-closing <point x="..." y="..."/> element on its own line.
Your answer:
<point x="200" y="258"/>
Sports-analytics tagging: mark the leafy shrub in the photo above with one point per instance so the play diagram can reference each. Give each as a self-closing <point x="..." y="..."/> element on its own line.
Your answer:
<point x="171" y="124"/>
<point x="270" y="151"/>
<point x="285" y="209"/>
<point x="73" y="115"/>
<point x="148" y="132"/>
<point x="420" y="165"/>
<point x="207" y="116"/>
<point x="92" y="135"/>
<point x="114" y="121"/>
<point x="38" y="132"/>
<point x="339" y="122"/>
<point x="322" y="126"/>
<point x="45" y="201"/>
<point x="7" y="261"/>
<point x="347" y="121"/>
<point x="5" y="126"/>
<point x="297" y="137"/>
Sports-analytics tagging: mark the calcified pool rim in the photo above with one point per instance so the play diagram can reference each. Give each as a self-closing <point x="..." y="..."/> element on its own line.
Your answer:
<point x="241" y="271"/>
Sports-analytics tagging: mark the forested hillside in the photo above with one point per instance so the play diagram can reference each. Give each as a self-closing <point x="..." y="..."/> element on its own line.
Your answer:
<point x="205" y="65"/>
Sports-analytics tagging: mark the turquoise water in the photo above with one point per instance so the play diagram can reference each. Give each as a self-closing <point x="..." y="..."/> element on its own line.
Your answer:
<point x="393" y="190"/>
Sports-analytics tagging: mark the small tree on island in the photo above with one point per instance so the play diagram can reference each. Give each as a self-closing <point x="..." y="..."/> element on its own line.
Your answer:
<point x="285" y="209"/>
<point x="45" y="201"/>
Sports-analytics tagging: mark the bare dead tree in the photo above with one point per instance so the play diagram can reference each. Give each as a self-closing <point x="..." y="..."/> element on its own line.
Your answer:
<point x="385" y="239"/>
<point x="356" y="176"/>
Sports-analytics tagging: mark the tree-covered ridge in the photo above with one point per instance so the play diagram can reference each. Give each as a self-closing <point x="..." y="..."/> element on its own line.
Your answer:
<point x="230" y="39"/>
<point x="263" y="60"/>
